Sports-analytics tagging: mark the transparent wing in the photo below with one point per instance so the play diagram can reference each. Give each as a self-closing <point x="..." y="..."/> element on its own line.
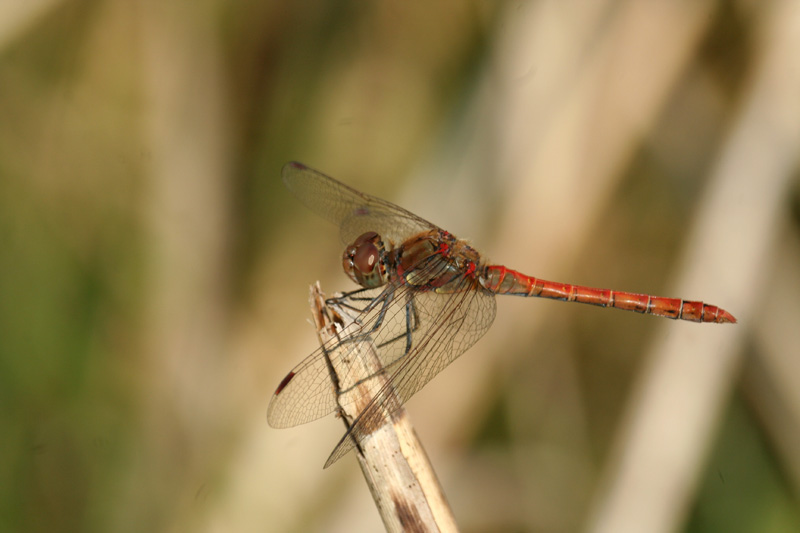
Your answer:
<point x="415" y="333"/>
<point x="353" y="211"/>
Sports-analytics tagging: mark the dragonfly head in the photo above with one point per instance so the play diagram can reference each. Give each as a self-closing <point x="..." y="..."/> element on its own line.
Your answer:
<point x="365" y="261"/>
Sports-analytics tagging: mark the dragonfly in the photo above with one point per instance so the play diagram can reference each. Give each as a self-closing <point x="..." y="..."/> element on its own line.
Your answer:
<point x="425" y="297"/>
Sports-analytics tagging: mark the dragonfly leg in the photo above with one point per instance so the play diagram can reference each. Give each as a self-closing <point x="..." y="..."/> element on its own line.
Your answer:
<point x="412" y="323"/>
<point x="411" y="313"/>
<point x="359" y="295"/>
<point x="355" y="340"/>
<point x="384" y="300"/>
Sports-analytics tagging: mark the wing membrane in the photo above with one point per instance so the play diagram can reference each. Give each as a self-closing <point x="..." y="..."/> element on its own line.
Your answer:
<point x="353" y="211"/>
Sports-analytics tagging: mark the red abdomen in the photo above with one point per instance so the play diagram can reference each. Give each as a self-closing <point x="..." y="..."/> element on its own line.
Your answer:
<point x="502" y="280"/>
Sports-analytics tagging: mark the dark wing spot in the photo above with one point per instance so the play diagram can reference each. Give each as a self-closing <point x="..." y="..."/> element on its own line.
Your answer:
<point x="284" y="382"/>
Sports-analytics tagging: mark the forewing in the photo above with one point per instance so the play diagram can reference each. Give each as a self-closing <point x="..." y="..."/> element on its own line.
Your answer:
<point x="305" y="394"/>
<point x="353" y="211"/>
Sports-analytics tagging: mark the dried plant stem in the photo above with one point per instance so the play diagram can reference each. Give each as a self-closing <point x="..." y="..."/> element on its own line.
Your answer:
<point x="393" y="461"/>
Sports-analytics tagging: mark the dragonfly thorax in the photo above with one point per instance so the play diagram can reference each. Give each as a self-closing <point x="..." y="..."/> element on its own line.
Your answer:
<point x="365" y="260"/>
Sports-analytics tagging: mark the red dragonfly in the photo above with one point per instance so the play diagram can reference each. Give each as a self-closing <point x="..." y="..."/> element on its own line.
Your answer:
<point x="426" y="297"/>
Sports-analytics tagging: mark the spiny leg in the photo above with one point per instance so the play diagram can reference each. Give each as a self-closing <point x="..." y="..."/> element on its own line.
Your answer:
<point x="344" y="299"/>
<point x="412" y="324"/>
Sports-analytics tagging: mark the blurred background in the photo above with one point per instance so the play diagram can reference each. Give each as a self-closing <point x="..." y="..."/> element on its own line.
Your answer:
<point x="154" y="271"/>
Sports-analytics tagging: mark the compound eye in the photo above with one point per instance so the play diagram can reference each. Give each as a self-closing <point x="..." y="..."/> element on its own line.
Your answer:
<point x="366" y="257"/>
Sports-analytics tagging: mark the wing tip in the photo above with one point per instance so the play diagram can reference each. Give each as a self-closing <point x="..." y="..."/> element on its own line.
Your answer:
<point x="294" y="164"/>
